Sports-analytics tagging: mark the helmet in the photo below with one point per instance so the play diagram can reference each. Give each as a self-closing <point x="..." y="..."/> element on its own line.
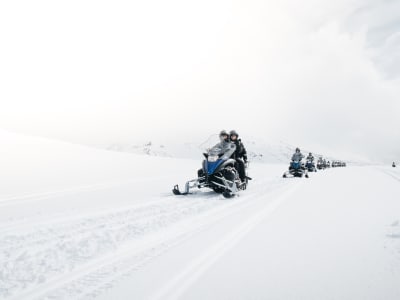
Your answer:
<point x="310" y="153"/>
<point x="233" y="132"/>
<point x="223" y="135"/>
<point x="223" y="132"/>
<point x="297" y="149"/>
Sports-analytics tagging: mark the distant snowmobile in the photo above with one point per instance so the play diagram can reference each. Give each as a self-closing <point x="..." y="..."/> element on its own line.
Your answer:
<point x="320" y="164"/>
<point x="310" y="166"/>
<point x="296" y="169"/>
<point x="218" y="173"/>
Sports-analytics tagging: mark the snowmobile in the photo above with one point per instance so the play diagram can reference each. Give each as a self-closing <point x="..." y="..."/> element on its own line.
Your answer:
<point x="296" y="169"/>
<point x="218" y="173"/>
<point x="310" y="166"/>
<point x="320" y="165"/>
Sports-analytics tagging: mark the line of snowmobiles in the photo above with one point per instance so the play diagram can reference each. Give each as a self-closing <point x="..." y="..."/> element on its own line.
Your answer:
<point x="300" y="169"/>
<point x="219" y="173"/>
<point x="338" y="163"/>
<point x="324" y="164"/>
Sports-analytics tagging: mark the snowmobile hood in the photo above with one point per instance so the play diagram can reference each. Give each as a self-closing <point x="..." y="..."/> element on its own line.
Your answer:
<point x="212" y="166"/>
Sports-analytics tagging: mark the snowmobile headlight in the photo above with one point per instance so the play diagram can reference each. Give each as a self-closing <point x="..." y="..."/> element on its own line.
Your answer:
<point x="213" y="158"/>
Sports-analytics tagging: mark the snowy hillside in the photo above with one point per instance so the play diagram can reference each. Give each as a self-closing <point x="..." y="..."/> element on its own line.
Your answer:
<point x="256" y="152"/>
<point x="273" y="151"/>
<point x="84" y="223"/>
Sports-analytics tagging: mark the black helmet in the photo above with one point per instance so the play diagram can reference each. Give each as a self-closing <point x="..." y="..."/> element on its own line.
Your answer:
<point x="310" y="153"/>
<point x="297" y="149"/>
<point x="234" y="132"/>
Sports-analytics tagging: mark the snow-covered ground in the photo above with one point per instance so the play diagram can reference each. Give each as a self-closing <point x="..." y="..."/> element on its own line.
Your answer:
<point x="84" y="223"/>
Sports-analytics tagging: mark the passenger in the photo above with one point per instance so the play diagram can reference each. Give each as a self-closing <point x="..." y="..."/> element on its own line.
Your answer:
<point x="240" y="154"/>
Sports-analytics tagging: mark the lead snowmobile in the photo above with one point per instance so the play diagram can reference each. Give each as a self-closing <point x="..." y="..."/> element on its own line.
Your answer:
<point x="296" y="169"/>
<point x="218" y="173"/>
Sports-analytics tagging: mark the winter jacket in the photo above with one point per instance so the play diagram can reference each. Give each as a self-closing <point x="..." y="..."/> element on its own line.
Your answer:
<point x="240" y="151"/>
<point x="297" y="156"/>
<point x="310" y="157"/>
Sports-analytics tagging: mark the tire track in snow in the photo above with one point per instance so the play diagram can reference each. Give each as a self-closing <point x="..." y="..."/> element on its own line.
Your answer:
<point x="392" y="174"/>
<point x="59" y="219"/>
<point x="100" y="250"/>
<point x="172" y="237"/>
<point x="131" y="266"/>
<point x="177" y="286"/>
<point x="18" y="199"/>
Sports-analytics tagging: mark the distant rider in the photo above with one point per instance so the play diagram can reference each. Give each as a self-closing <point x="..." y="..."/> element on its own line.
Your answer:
<point x="240" y="154"/>
<point x="297" y="156"/>
<point x="310" y="157"/>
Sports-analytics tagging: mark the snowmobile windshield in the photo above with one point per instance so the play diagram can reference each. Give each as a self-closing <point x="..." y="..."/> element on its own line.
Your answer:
<point x="222" y="150"/>
<point x="211" y="140"/>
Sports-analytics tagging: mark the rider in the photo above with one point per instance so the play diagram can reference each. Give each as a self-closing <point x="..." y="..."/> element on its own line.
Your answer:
<point x="297" y="156"/>
<point x="240" y="154"/>
<point x="224" y="140"/>
<point x="310" y="157"/>
<point x="225" y="145"/>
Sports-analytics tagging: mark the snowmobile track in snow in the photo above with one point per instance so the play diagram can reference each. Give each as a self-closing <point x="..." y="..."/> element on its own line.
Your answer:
<point x="74" y="258"/>
<point x="395" y="175"/>
<point x="17" y="199"/>
<point x="182" y="282"/>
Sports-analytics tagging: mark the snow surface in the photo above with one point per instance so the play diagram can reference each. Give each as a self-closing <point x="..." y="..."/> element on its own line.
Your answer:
<point x="84" y="223"/>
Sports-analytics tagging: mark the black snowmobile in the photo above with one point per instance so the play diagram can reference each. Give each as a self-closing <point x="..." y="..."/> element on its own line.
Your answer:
<point x="218" y="173"/>
<point x="296" y="169"/>
<point x="310" y="166"/>
<point x="320" y="164"/>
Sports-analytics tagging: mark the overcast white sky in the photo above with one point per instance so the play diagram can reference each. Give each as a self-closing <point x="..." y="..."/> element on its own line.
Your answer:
<point x="310" y="72"/>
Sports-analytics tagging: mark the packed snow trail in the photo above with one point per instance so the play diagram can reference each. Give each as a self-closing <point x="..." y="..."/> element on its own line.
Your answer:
<point x="71" y="256"/>
<point x="337" y="238"/>
<point x="181" y="282"/>
<point x="334" y="236"/>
